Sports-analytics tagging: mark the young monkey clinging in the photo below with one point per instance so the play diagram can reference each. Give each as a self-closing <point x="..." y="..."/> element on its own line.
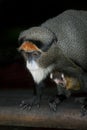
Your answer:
<point x="69" y="83"/>
<point x="66" y="84"/>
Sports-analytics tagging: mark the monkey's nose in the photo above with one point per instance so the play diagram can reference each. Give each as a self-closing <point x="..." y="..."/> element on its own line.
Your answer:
<point x="29" y="58"/>
<point x="32" y="65"/>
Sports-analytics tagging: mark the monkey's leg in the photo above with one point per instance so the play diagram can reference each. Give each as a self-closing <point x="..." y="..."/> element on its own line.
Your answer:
<point x="62" y="95"/>
<point x="35" y="101"/>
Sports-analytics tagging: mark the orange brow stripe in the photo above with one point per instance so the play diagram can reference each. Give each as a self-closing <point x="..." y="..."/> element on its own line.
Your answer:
<point x="28" y="46"/>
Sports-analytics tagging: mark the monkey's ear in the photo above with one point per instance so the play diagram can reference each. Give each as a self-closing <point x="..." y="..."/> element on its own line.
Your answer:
<point x="62" y="75"/>
<point x="55" y="40"/>
<point x="51" y="76"/>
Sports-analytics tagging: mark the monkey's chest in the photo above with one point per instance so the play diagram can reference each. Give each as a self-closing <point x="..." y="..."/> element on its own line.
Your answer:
<point x="38" y="75"/>
<point x="37" y="72"/>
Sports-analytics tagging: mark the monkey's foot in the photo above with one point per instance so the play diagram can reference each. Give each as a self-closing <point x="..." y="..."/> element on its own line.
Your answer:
<point x="84" y="108"/>
<point x="28" y="104"/>
<point x="56" y="101"/>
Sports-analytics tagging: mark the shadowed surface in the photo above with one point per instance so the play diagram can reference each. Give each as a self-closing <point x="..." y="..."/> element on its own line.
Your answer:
<point x="67" y="115"/>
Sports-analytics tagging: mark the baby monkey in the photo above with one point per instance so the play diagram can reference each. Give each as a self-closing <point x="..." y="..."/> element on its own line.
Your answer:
<point x="67" y="82"/>
<point x="64" y="84"/>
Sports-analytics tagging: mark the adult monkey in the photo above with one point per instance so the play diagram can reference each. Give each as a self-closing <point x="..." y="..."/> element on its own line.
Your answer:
<point x="59" y="43"/>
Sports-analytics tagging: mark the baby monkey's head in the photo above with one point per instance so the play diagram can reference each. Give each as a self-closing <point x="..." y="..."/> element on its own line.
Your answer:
<point x="58" y="78"/>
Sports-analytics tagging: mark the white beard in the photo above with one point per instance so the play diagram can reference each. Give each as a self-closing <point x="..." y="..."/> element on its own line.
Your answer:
<point x="37" y="72"/>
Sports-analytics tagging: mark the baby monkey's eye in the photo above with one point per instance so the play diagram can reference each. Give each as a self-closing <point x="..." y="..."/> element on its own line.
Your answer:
<point x="61" y="78"/>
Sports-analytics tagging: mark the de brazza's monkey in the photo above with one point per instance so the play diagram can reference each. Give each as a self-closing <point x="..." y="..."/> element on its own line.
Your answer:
<point x="61" y="43"/>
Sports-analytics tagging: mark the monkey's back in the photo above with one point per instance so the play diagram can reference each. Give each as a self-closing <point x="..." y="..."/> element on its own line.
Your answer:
<point x="70" y="27"/>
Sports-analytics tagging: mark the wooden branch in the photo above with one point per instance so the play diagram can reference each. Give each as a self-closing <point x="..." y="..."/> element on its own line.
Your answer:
<point x="67" y="115"/>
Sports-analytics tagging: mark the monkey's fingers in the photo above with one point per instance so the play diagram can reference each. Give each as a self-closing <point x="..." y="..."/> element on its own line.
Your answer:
<point x="25" y="106"/>
<point x="84" y="109"/>
<point x="28" y="104"/>
<point x="53" y="106"/>
<point x="53" y="103"/>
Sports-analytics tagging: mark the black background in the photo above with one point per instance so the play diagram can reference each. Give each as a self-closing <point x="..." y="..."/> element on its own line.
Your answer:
<point x="17" y="15"/>
<point x="28" y="13"/>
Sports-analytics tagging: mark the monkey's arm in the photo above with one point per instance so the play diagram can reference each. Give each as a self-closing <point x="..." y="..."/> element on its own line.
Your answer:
<point x="36" y="97"/>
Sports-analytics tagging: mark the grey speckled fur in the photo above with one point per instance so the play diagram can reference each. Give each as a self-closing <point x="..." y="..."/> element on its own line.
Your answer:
<point x="70" y="27"/>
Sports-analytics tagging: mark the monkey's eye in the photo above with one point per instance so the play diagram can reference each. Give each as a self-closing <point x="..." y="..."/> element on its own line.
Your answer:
<point x="61" y="78"/>
<point x="36" y="54"/>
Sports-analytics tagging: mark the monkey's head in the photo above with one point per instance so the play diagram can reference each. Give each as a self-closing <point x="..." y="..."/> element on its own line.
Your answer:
<point x="35" y="43"/>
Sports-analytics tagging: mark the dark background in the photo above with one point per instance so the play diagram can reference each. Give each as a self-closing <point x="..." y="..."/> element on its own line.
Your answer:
<point x="28" y="13"/>
<point x="15" y="16"/>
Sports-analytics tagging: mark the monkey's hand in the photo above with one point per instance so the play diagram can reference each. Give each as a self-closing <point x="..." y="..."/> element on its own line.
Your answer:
<point x="56" y="101"/>
<point x="28" y="104"/>
<point x="35" y="100"/>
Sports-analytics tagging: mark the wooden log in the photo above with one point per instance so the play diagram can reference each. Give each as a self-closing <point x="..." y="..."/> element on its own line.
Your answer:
<point x="67" y="116"/>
